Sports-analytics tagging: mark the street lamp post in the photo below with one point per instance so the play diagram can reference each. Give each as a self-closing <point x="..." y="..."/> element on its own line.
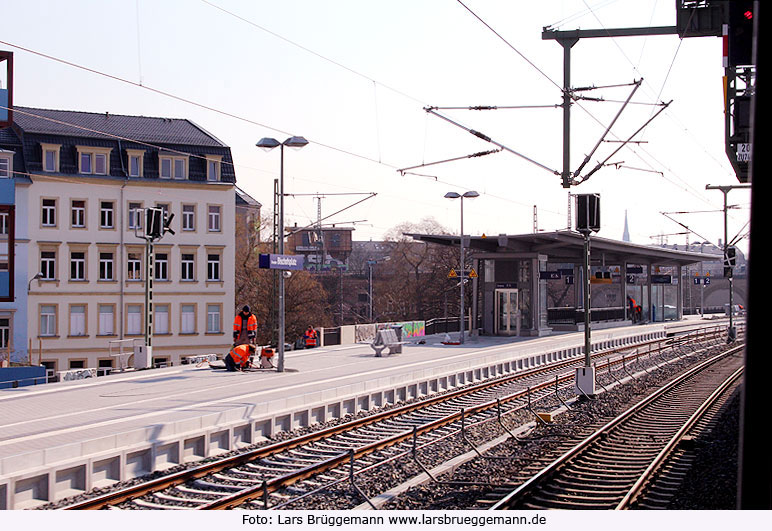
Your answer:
<point x="268" y="144"/>
<point x="455" y="195"/>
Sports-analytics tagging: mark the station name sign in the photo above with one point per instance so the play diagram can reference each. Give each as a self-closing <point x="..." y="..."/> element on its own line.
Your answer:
<point x="290" y="262"/>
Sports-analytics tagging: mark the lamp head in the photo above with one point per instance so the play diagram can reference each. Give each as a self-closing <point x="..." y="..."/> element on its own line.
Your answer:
<point x="268" y="143"/>
<point x="296" y="142"/>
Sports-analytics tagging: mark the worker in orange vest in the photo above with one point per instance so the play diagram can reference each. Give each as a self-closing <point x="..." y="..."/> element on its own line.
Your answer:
<point x="310" y="337"/>
<point x="244" y="327"/>
<point x="238" y="357"/>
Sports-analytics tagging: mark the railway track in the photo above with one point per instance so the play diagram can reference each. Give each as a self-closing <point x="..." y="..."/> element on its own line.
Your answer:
<point x="281" y="474"/>
<point x="626" y="462"/>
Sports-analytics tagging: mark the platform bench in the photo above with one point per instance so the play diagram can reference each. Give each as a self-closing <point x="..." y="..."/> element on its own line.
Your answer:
<point x="387" y="339"/>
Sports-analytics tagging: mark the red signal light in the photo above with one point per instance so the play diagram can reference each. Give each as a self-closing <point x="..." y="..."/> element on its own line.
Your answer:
<point x="748" y="15"/>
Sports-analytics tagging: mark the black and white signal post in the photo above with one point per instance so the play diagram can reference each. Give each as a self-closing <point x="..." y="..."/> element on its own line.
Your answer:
<point x="587" y="222"/>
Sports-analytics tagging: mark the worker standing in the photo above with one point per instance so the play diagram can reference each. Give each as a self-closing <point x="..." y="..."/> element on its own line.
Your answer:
<point x="310" y="337"/>
<point x="238" y="357"/>
<point x="244" y="327"/>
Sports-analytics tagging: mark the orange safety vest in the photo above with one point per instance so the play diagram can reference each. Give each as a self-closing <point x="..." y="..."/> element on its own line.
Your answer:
<point x="240" y="354"/>
<point x="238" y="323"/>
<point x="310" y="338"/>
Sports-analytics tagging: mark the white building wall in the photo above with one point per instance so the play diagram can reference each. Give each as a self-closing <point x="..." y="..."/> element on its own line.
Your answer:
<point x="121" y="292"/>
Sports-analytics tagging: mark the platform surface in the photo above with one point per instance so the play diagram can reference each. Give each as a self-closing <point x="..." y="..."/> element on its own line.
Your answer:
<point x="53" y="415"/>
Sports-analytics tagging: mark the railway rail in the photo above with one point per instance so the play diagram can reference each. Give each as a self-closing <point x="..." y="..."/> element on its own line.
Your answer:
<point x="614" y="467"/>
<point x="281" y="474"/>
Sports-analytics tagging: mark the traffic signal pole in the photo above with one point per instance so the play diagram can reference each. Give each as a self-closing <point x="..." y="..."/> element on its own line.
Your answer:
<point x="731" y="332"/>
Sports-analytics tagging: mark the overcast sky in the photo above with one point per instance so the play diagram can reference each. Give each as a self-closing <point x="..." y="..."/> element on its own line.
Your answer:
<point x="353" y="77"/>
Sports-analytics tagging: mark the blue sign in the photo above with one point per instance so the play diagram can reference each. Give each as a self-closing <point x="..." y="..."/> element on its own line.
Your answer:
<point x="293" y="262"/>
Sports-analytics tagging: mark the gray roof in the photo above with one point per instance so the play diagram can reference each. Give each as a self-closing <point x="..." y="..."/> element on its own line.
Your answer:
<point x="567" y="246"/>
<point x="92" y="125"/>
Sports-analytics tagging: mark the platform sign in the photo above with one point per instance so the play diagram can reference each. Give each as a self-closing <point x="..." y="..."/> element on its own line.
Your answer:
<point x="291" y="262"/>
<point x="549" y="275"/>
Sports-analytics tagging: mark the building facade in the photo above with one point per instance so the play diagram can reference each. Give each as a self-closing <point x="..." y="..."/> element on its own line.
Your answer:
<point x="86" y="179"/>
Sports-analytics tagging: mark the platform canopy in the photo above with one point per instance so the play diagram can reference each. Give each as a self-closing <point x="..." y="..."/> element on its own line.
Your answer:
<point x="567" y="246"/>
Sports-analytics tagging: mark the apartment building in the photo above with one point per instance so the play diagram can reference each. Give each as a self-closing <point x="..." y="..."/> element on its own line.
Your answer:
<point x="86" y="179"/>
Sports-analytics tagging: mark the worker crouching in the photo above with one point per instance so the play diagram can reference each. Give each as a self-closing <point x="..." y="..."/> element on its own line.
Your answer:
<point x="238" y="358"/>
<point x="310" y="337"/>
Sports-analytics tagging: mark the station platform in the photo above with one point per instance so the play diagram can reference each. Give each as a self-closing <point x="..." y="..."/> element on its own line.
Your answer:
<point x="61" y="439"/>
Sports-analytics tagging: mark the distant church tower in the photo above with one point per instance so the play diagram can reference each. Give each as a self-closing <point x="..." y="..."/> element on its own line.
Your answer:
<point x="626" y="233"/>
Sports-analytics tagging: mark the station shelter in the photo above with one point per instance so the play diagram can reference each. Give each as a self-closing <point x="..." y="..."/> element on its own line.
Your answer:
<point x="531" y="284"/>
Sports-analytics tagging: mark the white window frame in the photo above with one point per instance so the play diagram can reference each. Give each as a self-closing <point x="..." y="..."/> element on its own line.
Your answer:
<point x="78" y="214"/>
<point x="187" y="267"/>
<point x="134" y="209"/>
<point x="6" y="164"/>
<point x="161" y="318"/>
<point x="139" y="156"/>
<point x="106" y="319"/>
<point x="175" y="162"/>
<point x="213" y="168"/>
<point x="161" y="266"/>
<point x="189" y="217"/>
<point x="54" y="150"/>
<point x="134" y="266"/>
<point x="213" y="319"/>
<point x="48" y="320"/>
<point x="48" y="212"/>
<point x="78" y="266"/>
<point x="47" y="265"/>
<point x="78" y="320"/>
<point x="187" y="318"/>
<point x="106" y="215"/>
<point x="213" y="267"/>
<point x="134" y="319"/>
<point x="214" y="218"/>
<point x="92" y="154"/>
<point x="106" y="265"/>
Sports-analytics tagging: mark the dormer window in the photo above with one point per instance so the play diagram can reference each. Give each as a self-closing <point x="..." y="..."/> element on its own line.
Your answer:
<point x="213" y="164"/>
<point x="136" y="159"/>
<point x="50" y="157"/>
<point x="93" y="161"/>
<point x="6" y="164"/>
<point x="173" y="167"/>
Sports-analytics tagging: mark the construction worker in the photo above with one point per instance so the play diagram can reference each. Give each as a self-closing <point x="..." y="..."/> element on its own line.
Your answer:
<point x="244" y="327"/>
<point x="310" y="337"/>
<point x="238" y="357"/>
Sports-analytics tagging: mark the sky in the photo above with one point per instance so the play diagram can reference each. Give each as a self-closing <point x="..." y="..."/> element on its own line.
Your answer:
<point x="354" y="77"/>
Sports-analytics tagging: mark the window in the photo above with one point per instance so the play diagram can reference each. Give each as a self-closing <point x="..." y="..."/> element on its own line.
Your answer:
<point x="48" y="265"/>
<point x="214" y="218"/>
<point x="212" y="168"/>
<point x="161" y="318"/>
<point x="134" y="271"/>
<point x="213" y="267"/>
<point x="50" y="157"/>
<point x="213" y="319"/>
<point x="78" y="320"/>
<point x="188" y="217"/>
<point x="161" y="266"/>
<point x="188" y="319"/>
<point x="93" y="160"/>
<point x="134" y="319"/>
<point x="187" y="269"/>
<point x="136" y="162"/>
<point x="173" y="167"/>
<point x="48" y="320"/>
<point x="78" y="214"/>
<point x="6" y="164"/>
<point x="135" y="218"/>
<point x="4" y="223"/>
<point x="5" y="332"/>
<point x="106" y="320"/>
<point x="49" y="213"/>
<point x="106" y="266"/>
<point x="77" y="265"/>
<point x="106" y="214"/>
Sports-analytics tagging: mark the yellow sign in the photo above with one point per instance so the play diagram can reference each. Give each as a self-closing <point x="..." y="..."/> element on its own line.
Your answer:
<point x="472" y="274"/>
<point x="452" y="274"/>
